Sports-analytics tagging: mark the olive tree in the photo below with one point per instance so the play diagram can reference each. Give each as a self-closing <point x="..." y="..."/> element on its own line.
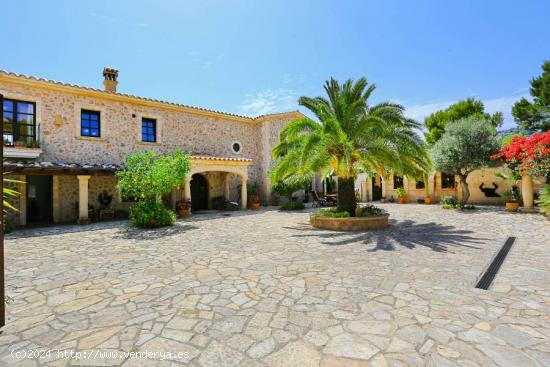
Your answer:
<point x="466" y="145"/>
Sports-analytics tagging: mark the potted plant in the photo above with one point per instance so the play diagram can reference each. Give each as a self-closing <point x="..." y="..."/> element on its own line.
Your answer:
<point x="512" y="199"/>
<point x="401" y="195"/>
<point x="182" y="207"/>
<point x="427" y="198"/>
<point x="254" y="194"/>
<point x="35" y="144"/>
<point x="20" y="143"/>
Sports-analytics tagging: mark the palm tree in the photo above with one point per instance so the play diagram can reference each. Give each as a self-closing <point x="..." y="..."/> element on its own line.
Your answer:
<point x="351" y="137"/>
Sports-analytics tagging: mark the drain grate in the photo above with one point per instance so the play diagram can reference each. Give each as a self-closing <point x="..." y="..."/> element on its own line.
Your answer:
<point x="487" y="277"/>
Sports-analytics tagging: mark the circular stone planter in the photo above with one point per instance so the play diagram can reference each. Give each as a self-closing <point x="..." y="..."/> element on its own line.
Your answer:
<point x="350" y="224"/>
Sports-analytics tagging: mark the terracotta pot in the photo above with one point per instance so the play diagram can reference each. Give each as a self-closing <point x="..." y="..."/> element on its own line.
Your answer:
<point x="255" y="206"/>
<point x="427" y="200"/>
<point x="512" y="206"/>
<point x="182" y="213"/>
<point x="401" y="199"/>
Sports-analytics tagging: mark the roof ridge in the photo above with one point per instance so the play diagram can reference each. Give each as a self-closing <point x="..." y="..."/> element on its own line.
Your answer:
<point x="203" y="109"/>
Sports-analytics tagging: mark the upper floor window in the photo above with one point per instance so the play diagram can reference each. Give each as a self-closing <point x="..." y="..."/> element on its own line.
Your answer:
<point x="397" y="182"/>
<point x="447" y="181"/>
<point x="148" y="130"/>
<point x="90" y="123"/>
<point x="19" y="122"/>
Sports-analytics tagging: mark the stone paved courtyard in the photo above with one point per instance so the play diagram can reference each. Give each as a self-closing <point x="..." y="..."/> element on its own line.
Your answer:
<point x="265" y="289"/>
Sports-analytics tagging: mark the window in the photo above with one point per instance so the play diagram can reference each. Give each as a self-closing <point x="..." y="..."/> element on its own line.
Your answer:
<point x="447" y="181"/>
<point x="19" y="121"/>
<point x="397" y="182"/>
<point x="90" y="123"/>
<point x="419" y="184"/>
<point x="148" y="130"/>
<point x="236" y="147"/>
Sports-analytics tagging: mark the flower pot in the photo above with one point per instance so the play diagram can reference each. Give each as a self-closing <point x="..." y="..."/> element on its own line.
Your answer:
<point x="255" y="206"/>
<point x="401" y="199"/>
<point x="427" y="200"/>
<point x="182" y="213"/>
<point x="512" y="206"/>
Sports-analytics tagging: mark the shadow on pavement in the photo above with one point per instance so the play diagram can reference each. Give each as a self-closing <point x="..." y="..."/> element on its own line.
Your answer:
<point x="406" y="233"/>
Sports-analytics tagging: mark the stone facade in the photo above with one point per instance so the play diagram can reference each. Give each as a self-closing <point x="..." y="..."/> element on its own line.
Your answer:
<point x="197" y="131"/>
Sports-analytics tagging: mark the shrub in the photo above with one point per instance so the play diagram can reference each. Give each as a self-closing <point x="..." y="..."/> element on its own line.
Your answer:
<point x="448" y="202"/>
<point x="293" y="205"/>
<point x="151" y="214"/>
<point x="370" y="211"/>
<point x="401" y="193"/>
<point x="331" y="213"/>
<point x="8" y="224"/>
<point x="544" y="200"/>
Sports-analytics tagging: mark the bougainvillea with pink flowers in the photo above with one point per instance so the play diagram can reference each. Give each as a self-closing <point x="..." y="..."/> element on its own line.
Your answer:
<point x="530" y="154"/>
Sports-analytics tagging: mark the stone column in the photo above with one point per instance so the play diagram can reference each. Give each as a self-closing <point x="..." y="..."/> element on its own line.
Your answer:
<point x="187" y="189"/>
<point x="83" y="199"/>
<point x="243" y="192"/>
<point x="56" y="198"/>
<point x="22" y="200"/>
<point x="226" y="186"/>
<point x="527" y="192"/>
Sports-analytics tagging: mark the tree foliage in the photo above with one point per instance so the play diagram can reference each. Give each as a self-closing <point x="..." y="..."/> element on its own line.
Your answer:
<point x="535" y="116"/>
<point x="350" y="137"/>
<point x="292" y="184"/>
<point x="466" y="145"/>
<point x="147" y="176"/>
<point x="468" y="108"/>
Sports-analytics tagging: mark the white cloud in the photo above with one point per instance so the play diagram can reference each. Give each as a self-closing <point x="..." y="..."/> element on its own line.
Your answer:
<point x="193" y="53"/>
<point x="500" y="104"/>
<point x="269" y="101"/>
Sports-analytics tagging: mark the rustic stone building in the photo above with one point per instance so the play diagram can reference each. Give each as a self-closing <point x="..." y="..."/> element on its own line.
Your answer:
<point x="64" y="142"/>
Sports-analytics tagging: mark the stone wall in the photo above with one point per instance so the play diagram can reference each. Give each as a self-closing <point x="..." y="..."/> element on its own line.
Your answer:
<point x="58" y="121"/>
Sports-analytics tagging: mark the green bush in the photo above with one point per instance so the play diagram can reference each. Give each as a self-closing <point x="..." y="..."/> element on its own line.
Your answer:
<point x="544" y="200"/>
<point x="293" y="205"/>
<point x="8" y="224"/>
<point x="331" y="213"/>
<point x="151" y="214"/>
<point x="448" y="202"/>
<point x="370" y="211"/>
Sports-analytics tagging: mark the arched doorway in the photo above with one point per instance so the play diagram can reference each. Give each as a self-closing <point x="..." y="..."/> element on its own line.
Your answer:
<point x="199" y="192"/>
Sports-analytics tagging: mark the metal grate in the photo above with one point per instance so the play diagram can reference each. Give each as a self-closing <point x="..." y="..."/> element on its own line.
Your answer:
<point x="487" y="277"/>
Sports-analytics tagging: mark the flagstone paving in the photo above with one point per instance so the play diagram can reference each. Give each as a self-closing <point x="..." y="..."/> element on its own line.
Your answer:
<point x="265" y="289"/>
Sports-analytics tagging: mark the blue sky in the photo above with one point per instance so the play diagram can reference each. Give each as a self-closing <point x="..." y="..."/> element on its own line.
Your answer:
<point x="255" y="57"/>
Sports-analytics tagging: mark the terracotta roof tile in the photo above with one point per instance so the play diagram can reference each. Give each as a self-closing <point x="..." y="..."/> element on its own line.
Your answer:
<point x="19" y="165"/>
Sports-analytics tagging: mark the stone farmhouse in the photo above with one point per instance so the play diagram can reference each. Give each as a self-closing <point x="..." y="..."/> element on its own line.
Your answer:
<point x="65" y="142"/>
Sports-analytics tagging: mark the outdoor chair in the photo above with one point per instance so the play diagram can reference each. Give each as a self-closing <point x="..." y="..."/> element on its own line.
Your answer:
<point x="319" y="201"/>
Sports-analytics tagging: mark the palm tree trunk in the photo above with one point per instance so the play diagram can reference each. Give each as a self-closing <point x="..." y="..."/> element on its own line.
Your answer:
<point x="346" y="195"/>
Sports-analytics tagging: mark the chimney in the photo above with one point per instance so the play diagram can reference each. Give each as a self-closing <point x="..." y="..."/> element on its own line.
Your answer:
<point x="110" y="79"/>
